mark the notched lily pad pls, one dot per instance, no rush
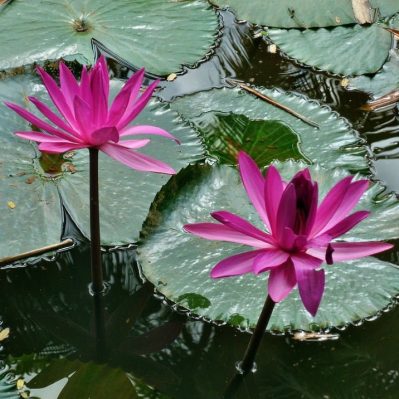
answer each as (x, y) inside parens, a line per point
(160, 35)
(227, 117)
(355, 290)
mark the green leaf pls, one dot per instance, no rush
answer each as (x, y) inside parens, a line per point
(220, 114)
(303, 14)
(29, 202)
(352, 50)
(385, 81)
(30, 199)
(179, 263)
(157, 34)
(225, 134)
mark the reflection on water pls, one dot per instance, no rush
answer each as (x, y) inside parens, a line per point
(153, 352)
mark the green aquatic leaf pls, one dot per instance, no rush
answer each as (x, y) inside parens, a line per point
(224, 135)
(344, 50)
(31, 200)
(160, 35)
(179, 263)
(8, 385)
(219, 113)
(385, 81)
(303, 14)
(30, 205)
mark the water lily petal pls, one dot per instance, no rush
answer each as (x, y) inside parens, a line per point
(135, 160)
(53, 117)
(126, 97)
(101, 136)
(330, 204)
(235, 265)
(100, 108)
(243, 226)
(83, 116)
(68, 83)
(282, 280)
(354, 250)
(57, 97)
(286, 212)
(254, 183)
(147, 129)
(274, 188)
(105, 76)
(60, 147)
(134, 144)
(85, 92)
(349, 201)
(269, 259)
(311, 286)
(346, 224)
(41, 137)
(216, 231)
(136, 107)
(31, 118)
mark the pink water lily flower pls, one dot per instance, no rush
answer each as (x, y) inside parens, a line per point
(300, 233)
(87, 120)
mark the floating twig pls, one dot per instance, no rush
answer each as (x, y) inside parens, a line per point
(262, 96)
(54, 247)
(381, 102)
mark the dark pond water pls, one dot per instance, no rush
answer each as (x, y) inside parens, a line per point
(166, 354)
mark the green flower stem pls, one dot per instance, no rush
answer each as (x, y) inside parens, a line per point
(249, 358)
(97, 283)
(96, 267)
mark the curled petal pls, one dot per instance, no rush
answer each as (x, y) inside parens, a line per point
(282, 280)
(254, 184)
(269, 259)
(147, 129)
(286, 212)
(235, 265)
(135, 160)
(216, 231)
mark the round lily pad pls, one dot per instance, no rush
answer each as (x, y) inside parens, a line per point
(179, 263)
(344, 50)
(160, 35)
(31, 199)
(384, 82)
(232, 119)
(309, 13)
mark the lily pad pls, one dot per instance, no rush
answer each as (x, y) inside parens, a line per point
(344, 50)
(30, 205)
(307, 13)
(384, 82)
(179, 263)
(217, 113)
(125, 194)
(160, 35)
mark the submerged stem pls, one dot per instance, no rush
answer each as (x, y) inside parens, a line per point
(249, 358)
